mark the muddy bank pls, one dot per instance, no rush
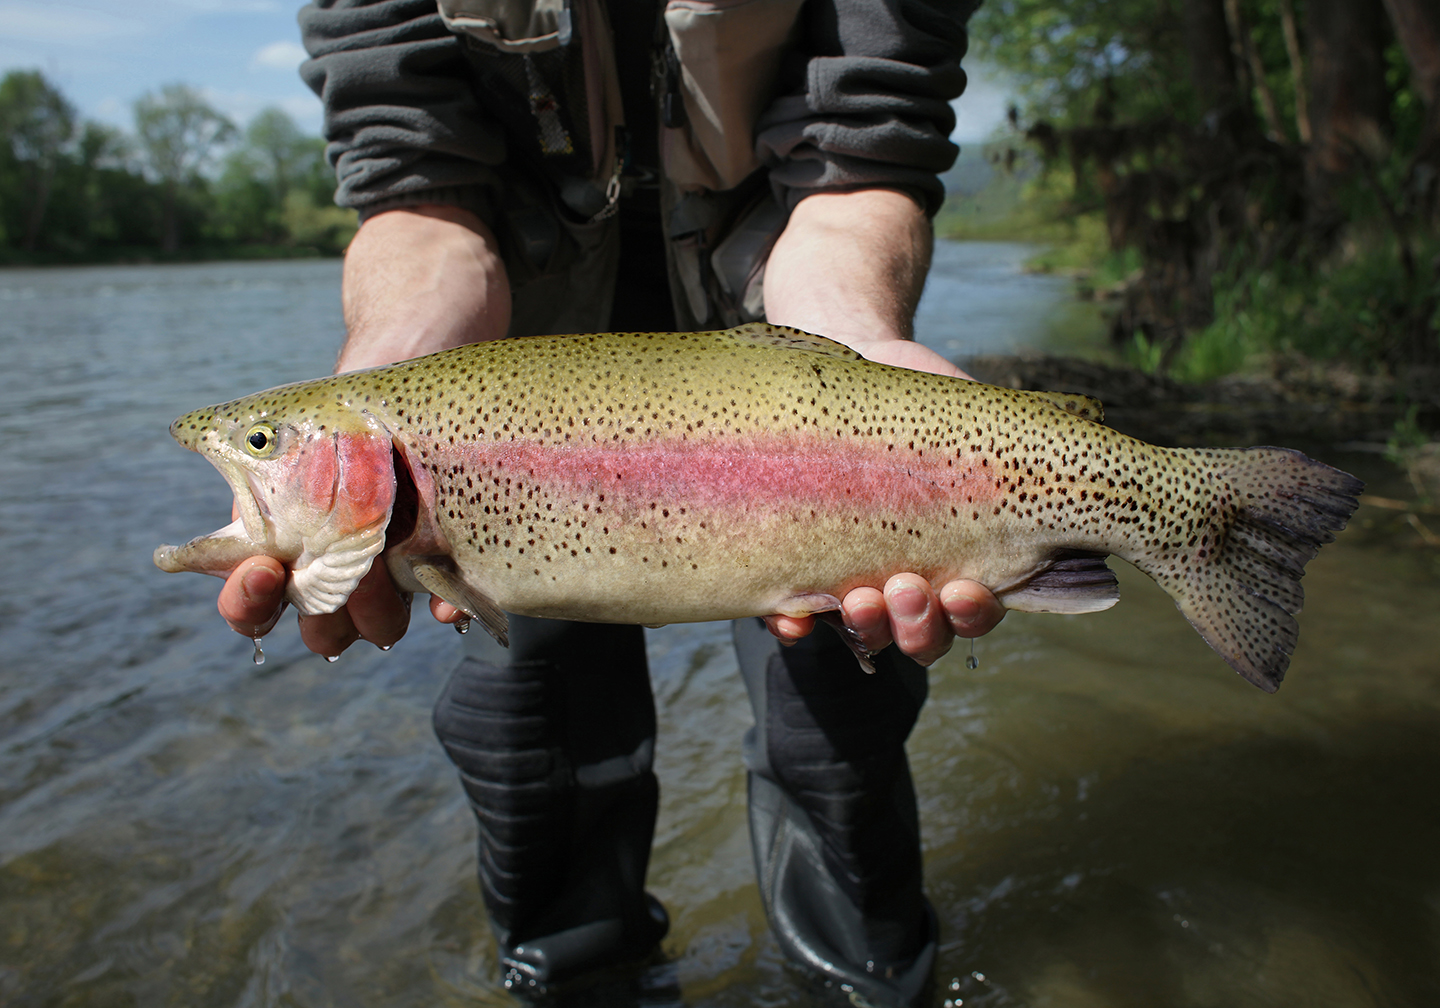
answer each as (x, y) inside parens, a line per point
(1297, 403)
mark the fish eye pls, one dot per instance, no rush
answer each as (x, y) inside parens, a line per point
(260, 440)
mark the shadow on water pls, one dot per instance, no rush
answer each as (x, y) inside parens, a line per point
(1112, 819)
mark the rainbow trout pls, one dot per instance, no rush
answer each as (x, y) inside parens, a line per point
(675, 477)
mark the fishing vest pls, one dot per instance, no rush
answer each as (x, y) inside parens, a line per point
(549, 67)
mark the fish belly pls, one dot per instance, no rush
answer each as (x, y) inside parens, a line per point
(687, 531)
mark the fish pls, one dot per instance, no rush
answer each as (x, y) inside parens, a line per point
(655, 478)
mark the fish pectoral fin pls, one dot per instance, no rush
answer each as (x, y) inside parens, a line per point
(765, 334)
(1075, 581)
(440, 578)
(322, 583)
(1083, 406)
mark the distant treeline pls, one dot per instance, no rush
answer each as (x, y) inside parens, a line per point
(187, 183)
(1265, 173)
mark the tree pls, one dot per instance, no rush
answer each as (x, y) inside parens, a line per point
(1176, 122)
(178, 131)
(37, 123)
(281, 148)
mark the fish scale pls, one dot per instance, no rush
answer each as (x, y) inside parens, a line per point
(671, 477)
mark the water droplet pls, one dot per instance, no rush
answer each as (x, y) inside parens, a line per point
(332, 658)
(955, 984)
(972, 662)
(979, 977)
(386, 647)
(259, 656)
(462, 625)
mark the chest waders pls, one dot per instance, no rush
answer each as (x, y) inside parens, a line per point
(554, 739)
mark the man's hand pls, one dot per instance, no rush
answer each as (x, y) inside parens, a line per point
(417, 281)
(851, 266)
(254, 597)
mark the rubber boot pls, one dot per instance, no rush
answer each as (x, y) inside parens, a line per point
(554, 749)
(833, 821)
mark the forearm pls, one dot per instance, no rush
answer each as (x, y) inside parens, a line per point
(851, 266)
(418, 280)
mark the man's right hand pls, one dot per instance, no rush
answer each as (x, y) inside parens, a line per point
(417, 280)
(254, 597)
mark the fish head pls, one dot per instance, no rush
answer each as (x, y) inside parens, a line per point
(314, 485)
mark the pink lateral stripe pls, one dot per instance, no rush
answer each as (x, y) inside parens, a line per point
(739, 474)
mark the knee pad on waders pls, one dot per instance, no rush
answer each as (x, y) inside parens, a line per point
(554, 743)
(833, 821)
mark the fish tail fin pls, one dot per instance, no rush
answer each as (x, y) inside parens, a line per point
(1242, 587)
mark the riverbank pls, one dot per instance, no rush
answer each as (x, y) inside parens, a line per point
(145, 255)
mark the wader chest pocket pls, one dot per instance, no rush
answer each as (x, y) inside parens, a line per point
(729, 53)
(510, 26)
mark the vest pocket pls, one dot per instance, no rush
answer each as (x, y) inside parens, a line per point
(729, 54)
(510, 26)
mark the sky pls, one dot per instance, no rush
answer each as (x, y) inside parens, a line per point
(242, 54)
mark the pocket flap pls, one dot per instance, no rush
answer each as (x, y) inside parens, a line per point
(511, 26)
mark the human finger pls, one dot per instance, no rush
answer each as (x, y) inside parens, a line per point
(378, 611)
(917, 620)
(866, 614)
(253, 596)
(444, 611)
(328, 634)
(789, 629)
(971, 608)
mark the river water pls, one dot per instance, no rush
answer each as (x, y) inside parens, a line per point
(1112, 819)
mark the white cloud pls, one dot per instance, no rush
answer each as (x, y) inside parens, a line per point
(241, 106)
(37, 23)
(283, 55)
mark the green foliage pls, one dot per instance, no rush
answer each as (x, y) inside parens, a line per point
(178, 131)
(1189, 194)
(1067, 57)
(1355, 308)
(186, 184)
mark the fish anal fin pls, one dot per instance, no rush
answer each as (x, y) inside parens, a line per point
(1074, 581)
(765, 334)
(439, 576)
(1083, 406)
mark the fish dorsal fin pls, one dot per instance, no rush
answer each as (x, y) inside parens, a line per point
(765, 334)
(1084, 406)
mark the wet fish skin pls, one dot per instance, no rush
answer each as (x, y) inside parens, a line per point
(673, 477)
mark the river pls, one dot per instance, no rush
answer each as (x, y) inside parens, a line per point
(1112, 818)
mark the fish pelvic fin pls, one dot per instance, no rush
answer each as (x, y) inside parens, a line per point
(1242, 595)
(441, 578)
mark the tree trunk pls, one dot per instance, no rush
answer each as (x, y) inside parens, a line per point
(1212, 65)
(1243, 51)
(43, 175)
(1349, 102)
(1297, 71)
(169, 222)
(1417, 26)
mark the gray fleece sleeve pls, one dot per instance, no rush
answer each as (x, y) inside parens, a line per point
(870, 106)
(401, 117)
